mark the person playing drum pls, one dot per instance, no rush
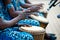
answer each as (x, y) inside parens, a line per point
(7, 30)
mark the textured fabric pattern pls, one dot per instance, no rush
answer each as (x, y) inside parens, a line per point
(22, 2)
(9, 6)
(16, 4)
(10, 34)
(1, 9)
(30, 22)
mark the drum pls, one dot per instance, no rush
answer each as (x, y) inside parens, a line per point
(39, 18)
(37, 32)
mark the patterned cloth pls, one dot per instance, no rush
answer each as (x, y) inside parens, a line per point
(1, 10)
(12, 33)
(9, 34)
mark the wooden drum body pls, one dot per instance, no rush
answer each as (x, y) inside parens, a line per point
(37, 32)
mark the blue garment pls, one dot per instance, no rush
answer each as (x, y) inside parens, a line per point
(22, 2)
(12, 33)
(16, 4)
(1, 9)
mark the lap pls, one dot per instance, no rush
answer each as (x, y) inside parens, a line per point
(39, 13)
(15, 35)
(31, 22)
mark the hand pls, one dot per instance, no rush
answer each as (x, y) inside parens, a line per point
(41, 4)
(22, 15)
(34, 8)
(36, 14)
(26, 11)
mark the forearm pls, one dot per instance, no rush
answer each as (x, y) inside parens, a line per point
(11, 9)
(26, 5)
(5, 24)
(14, 13)
(14, 21)
(27, 1)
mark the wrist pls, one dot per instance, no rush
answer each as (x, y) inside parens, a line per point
(26, 11)
(20, 17)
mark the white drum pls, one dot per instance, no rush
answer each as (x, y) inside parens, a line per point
(39, 18)
(37, 32)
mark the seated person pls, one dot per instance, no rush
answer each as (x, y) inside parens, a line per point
(26, 4)
(8, 31)
(13, 11)
(32, 10)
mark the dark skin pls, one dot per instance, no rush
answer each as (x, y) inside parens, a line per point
(18, 15)
(32, 7)
(27, 1)
(28, 4)
(14, 13)
(5, 24)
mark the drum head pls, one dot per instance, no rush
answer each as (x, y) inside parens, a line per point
(33, 29)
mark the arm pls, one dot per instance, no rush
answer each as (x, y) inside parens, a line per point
(27, 1)
(27, 4)
(5, 24)
(14, 13)
(11, 9)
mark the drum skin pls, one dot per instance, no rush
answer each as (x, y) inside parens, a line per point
(37, 32)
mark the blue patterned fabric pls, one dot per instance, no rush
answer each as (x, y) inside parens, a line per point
(16, 4)
(22, 2)
(11, 33)
(1, 9)
(6, 13)
(9, 6)
(30, 22)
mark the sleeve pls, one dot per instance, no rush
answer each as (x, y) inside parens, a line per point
(1, 15)
(10, 5)
(22, 2)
